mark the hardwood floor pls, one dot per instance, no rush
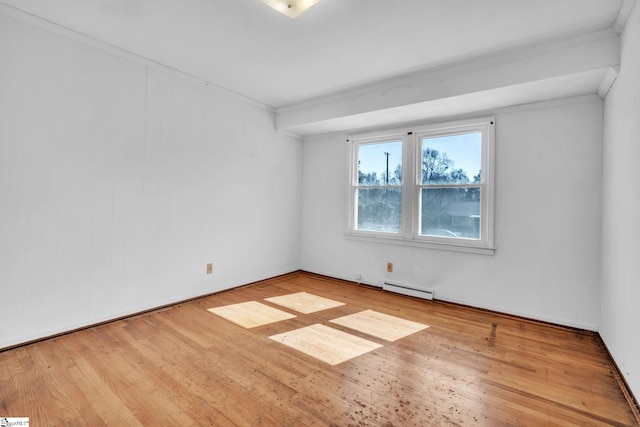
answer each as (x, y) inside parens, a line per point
(184, 365)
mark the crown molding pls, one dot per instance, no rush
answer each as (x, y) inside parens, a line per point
(607, 81)
(77, 36)
(623, 15)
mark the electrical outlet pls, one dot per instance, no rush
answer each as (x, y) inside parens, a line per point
(389, 267)
(209, 268)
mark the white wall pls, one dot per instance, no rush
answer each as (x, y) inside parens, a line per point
(118, 183)
(547, 221)
(621, 210)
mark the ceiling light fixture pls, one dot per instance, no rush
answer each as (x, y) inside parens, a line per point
(291, 8)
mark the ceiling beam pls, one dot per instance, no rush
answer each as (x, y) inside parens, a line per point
(553, 62)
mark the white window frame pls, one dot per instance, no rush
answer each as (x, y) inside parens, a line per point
(412, 184)
(354, 186)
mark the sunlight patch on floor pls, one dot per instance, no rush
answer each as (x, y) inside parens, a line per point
(380, 325)
(251, 314)
(304, 302)
(326, 344)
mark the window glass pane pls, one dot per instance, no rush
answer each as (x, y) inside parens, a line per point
(380, 163)
(379, 209)
(451, 159)
(451, 212)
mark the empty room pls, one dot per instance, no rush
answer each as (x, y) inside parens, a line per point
(319, 212)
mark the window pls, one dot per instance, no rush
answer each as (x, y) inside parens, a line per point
(378, 188)
(429, 186)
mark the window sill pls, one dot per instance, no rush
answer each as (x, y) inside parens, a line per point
(399, 241)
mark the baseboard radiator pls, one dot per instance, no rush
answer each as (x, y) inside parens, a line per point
(406, 290)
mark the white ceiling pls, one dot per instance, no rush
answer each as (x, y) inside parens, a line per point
(248, 48)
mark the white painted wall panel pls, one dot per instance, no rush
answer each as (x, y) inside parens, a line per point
(621, 208)
(119, 183)
(547, 221)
